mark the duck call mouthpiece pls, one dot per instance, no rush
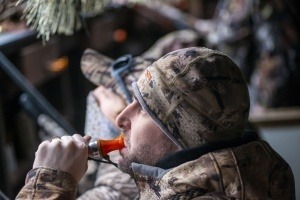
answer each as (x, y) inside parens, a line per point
(100, 148)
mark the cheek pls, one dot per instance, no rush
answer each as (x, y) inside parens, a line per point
(137, 137)
(143, 133)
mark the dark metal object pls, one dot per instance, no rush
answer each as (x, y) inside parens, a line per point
(9, 42)
(50, 126)
(3, 196)
(38, 99)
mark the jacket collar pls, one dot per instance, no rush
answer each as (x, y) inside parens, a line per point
(186, 155)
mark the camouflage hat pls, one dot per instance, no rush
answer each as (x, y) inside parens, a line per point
(117, 74)
(196, 95)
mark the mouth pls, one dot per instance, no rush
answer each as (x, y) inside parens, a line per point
(123, 151)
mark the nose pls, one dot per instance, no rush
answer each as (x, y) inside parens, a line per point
(122, 120)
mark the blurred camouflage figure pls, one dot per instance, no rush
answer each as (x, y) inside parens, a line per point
(262, 37)
(275, 78)
(106, 181)
(198, 102)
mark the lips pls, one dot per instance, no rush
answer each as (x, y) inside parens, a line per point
(123, 151)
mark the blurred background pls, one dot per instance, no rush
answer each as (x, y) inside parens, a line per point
(43, 92)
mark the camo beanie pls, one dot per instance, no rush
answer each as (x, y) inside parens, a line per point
(196, 96)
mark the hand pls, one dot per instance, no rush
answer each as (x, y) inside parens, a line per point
(68, 154)
(111, 104)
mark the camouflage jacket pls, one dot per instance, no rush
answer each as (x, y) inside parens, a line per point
(250, 171)
(46, 183)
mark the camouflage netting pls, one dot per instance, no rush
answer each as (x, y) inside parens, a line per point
(49, 17)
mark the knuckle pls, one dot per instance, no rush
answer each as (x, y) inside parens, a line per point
(43, 144)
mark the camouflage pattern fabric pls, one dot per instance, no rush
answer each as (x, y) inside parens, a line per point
(251, 171)
(196, 95)
(275, 78)
(47, 183)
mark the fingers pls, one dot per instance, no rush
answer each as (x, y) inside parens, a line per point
(54, 137)
(79, 138)
(67, 154)
(66, 139)
(71, 142)
(59, 142)
(75, 137)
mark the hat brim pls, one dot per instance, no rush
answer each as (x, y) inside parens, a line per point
(96, 67)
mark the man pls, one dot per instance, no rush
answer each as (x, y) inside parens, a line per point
(106, 101)
(185, 138)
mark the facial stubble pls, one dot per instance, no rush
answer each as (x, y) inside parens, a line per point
(144, 154)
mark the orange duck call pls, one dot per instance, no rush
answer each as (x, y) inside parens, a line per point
(100, 148)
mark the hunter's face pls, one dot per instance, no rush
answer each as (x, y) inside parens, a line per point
(145, 141)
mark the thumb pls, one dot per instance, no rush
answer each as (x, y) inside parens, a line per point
(87, 138)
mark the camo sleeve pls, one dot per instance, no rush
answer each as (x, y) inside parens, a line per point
(47, 183)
